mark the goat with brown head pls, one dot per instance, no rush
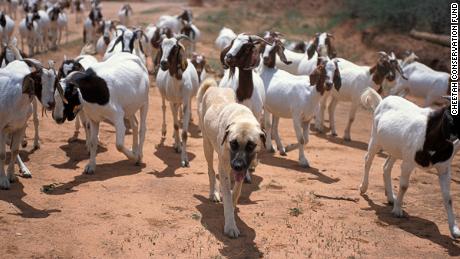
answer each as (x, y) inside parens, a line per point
(322, 44)
(173, 57)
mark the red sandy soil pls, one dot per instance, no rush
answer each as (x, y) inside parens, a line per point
(160, 210)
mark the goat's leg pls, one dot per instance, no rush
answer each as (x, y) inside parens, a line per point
(163, 125)
(268, 132)
(275, 132)
(120, 139)
(306, 130)
(303, 162)
(94, 129)
(319, 118)
(387, 167)
(77, 129)
(4, 182)
(444, 181)
(371, 151)
(142, 131)
(185, 124)
(14, 148)
(25, 172)
(135, 127)
(351, 118)
(177, 144)
(406, 170)
(36, 124)
(209, 156)
(331, 110)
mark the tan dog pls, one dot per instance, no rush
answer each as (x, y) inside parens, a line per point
(234, 133)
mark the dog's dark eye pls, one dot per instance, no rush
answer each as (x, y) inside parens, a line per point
(250, 146)
(234, 144)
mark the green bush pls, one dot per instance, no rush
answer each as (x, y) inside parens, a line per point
(402, 15)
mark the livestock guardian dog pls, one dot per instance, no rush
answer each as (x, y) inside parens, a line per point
(234, 133)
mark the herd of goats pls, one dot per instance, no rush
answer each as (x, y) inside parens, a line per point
(263, 81)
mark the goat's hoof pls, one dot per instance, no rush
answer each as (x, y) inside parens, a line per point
(12, 177)
(347, 138)
(26, 174)
(36, 146)
(304, 164)
(89, 169)
(177, 148)
(363, 189)
(215, 197)
(4, 183)
(455, 232)
(24, 143)
(398, 212)
(271, 150)
(333, 134)
(283, 152)
(185, 163)
(391, 200)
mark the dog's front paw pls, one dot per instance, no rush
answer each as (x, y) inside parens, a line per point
(89, 169)
(231, 230)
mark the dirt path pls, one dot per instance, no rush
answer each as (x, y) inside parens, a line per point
(159, 210)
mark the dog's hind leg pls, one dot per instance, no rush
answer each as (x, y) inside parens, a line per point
(209, 155)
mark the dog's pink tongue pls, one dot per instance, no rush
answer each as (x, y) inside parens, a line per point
(239, 175)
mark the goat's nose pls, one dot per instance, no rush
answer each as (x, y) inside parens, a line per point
(163, 63)
(329, 85)
(51, 105)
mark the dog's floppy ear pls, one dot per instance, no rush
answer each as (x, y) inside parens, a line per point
(263, 137)
(227, 130)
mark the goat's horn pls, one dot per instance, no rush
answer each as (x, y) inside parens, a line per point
(383, 53)
(33, 63)
(258, 39)
(181, 37)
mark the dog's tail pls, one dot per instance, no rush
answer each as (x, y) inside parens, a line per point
(370, 99)
(207, 83)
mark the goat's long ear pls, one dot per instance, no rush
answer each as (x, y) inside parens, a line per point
(182, 58)
(281, 54)
(312, 48)
(331, 50)
(337, 77)
(118, 40)
(314, 77)
(227, 131)
(223, 53)
(28, 85)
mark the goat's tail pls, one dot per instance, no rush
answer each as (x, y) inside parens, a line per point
(207, 83)
(370, 99)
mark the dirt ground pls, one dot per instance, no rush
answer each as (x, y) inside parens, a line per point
(160, 210)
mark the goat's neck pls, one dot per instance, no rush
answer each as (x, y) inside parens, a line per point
(245, 85)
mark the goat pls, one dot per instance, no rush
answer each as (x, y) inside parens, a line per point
(154, 37)
(6, 28)
(80, 63)
(358, 83)
(124, 14)
(12, 8)
(10, 53)
(296, 97)
(420, 137)
(107, 27)
(240, 59)
(305, 63)
(53, 15)
(421, 81)
(91, 24)
(199, 62)
(107, 91)
(128, 41)
(18, 87)
(193, 33)
(175, 23)
(63, 25)
(78, 8)
(225, 38)
(177, 81)
(43, 22)
(298, 46)
(28, 29)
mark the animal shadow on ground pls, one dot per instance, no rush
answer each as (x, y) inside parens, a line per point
(419, 227)
(172, 160)
(212, 218)
(340, 141)
(194, 130)
(14, 196)
(283, 162)
(103, 172)
(249, 188)
(76, 152)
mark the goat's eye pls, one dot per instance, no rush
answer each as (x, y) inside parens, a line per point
(234, 144)
(250, 146)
